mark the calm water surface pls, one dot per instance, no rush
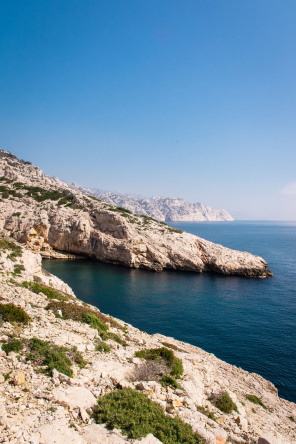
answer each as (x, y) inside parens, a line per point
(246, 322)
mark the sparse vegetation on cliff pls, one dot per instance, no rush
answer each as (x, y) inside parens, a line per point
(13, 313)
(137, 416)
(49, 292)
(224, 403)
(173, 363)
(255, 400)
(16, 250)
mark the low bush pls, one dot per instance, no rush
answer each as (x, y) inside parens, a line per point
(137, 416)
(83, 314)
(94, 198)
(13, 345)
(206, 412)
(224, 403)
(16, 250)
(172, 346)
(255, 400)
(173, 363)
(121, 210)
(18, 268)
(102, 347)
(40, 194)
(169, 381)
(92, 320)
(105, 335)
(45, 353)
(13, 313)
(76, 357)
(78, 313)
(49, 292)
(149, 371)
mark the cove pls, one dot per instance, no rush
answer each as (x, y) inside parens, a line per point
(246, 322)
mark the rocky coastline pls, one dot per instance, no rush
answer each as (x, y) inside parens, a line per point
(55, 401)
(49, 217)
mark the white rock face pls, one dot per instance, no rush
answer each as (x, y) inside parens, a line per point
(50, 217)
(166, 209)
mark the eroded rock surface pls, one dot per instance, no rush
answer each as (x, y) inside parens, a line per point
(50, 217)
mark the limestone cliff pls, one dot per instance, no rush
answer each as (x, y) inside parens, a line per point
(49, 216)
(166, 209)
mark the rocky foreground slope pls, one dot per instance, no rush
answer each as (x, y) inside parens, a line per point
(49, 216)
(62, 362)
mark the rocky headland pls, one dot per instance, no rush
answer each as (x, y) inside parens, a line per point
(49, 217)
(70, 374)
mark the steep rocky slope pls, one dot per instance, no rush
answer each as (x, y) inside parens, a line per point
(49, 216)
(67, 356)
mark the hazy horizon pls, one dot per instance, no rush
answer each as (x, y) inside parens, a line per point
(194, 99)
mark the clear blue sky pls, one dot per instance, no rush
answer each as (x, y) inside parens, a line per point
(193, 99)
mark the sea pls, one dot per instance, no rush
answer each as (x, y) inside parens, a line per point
(250, 323)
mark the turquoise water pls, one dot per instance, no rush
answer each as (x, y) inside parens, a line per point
(246, 322)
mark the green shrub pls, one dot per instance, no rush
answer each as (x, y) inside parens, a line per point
(137, 416)
(18, 268)
(78, 312)
(167, 380)
(64, 200)
(77, 357)
(177, 368)
(158, 354)
(92, 320)
(16, 250)
(255, 400)
(105, 335)
(18, 185)
(224, 403)
(206, 412)
(45, 353)
(172, 346)
(291, 418)
(40, 194)
(102, 347)
(13, 313)
(121, 210)
(94, 198)
(83, 314)
(13, 345)
(49, 292)
(5, 179)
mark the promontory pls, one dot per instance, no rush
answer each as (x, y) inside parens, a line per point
(50, 217)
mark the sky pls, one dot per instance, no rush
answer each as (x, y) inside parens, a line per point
(193, 99)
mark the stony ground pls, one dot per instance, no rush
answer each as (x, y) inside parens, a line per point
(38, 408)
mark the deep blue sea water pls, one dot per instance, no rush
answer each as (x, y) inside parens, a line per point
(247, 322)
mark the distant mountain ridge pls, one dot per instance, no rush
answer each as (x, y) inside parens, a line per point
(164, 209)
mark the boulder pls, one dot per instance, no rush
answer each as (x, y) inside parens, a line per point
(74, 397)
